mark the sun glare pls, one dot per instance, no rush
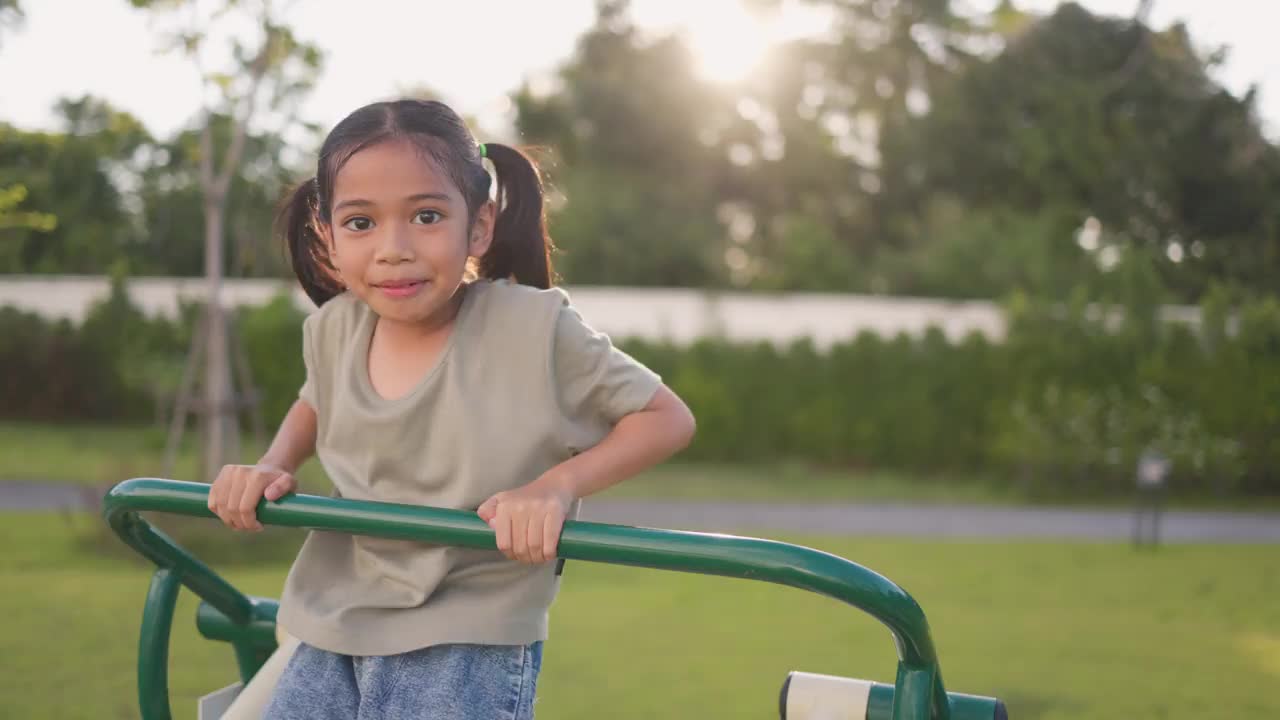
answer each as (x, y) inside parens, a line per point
(727, 41)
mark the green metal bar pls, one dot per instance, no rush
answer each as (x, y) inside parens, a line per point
(253, 641)
(153, 645)
(725, 555)
(259, 632)
(164, 552)
(913, 693)
(962, 706)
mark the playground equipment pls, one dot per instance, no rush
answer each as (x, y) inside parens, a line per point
(248, 623)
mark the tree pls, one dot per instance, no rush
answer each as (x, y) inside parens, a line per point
(83, 226)
(635, 181)
(172, 204)
(12, 216)
(128, 199)
(1103, 118)
(270, 73)
(880, 66)
(11, 197)
(670, 179)
(769, 182)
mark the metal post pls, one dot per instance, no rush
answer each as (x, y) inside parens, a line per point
(153, 645)
(1151, 475)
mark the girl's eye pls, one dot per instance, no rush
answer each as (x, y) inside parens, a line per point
(427, 217)
(358, 224)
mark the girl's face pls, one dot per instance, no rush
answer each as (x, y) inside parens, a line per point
(398, 234)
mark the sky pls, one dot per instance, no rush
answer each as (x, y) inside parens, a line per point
(473, 53)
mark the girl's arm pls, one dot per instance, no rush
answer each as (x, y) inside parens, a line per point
(637, 442)
(528, 520)
(235, 493)
(295, 441)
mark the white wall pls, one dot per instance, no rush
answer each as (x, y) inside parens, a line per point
(680, 315)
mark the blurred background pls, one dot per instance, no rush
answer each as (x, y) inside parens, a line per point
(957, 290)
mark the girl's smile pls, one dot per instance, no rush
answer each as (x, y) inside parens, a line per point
(401, 288)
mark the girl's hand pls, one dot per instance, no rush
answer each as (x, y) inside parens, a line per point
(528, 520)
(235, 493)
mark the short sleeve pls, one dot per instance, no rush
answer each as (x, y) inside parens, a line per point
(308, 391)
(596, 383)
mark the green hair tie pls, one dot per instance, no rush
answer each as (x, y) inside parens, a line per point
(482, 150)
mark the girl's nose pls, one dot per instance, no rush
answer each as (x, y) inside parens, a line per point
(395, 246)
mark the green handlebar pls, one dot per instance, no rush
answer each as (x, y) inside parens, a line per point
(709, 554)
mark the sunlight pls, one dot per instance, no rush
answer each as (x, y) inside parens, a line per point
(729, 42)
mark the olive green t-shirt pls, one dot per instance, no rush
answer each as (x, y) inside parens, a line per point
(522, 384)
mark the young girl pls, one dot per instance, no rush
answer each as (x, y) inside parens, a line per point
(442, 370)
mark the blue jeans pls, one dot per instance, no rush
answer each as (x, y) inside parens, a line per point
(443, 682)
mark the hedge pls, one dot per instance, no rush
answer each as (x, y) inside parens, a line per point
(1065, 402)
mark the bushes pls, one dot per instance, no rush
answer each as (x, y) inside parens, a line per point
(112, 367)
(51, 371)
(272, 339)
(1063, 401)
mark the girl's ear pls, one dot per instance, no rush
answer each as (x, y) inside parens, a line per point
(482, 231)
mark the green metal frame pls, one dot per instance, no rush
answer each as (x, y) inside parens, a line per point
(248, 623)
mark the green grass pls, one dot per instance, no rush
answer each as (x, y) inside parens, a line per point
(1061, 631)
(102, 456)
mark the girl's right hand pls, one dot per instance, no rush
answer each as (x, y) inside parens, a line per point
(235, 493)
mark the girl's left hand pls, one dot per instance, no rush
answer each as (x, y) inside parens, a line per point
(528, 520)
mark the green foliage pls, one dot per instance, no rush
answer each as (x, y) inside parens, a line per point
(1071, 398)
(1102, 118)
(656, 164)
(806, 254)
(112, 367)
(74, 218)
(901, 154)
(172, 205)
(11, 216)
(598, 241)
(956, 251)
(912, 149)
(1090, 164)
(63, 177)
(920, 404)
(121, 195)
(51, 372)
(271, 337)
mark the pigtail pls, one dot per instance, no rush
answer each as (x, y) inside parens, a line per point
(521, 248)
(296, 223)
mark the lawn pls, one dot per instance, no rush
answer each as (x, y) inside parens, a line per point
(104, 455)
(1061, 631)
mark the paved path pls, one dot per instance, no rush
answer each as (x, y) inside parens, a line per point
(945, 521)
(32, 496)
(870, 519)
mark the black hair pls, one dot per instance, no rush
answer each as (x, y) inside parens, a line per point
(521, 248)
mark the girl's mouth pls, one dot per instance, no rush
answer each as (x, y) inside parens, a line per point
(401, 288)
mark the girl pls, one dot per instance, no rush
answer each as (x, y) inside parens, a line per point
(442, 370)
